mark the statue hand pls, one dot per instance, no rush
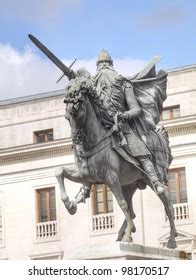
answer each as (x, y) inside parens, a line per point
(123, 116)
(86, 85)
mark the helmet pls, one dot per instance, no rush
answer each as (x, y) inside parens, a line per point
(104, 56)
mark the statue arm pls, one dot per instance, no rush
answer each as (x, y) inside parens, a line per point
(134, 109)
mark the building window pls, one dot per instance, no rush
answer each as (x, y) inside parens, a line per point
(169, 113)
(102, 199)
(46, 205)
(177, 186)
(103, 221)
(43, 136)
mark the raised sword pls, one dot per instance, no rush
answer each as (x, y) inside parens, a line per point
(66, 70)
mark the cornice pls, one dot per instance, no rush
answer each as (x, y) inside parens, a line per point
(180, 126)
(181, 129)
(35, 154)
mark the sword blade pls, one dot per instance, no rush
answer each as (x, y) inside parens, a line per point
(50, 55)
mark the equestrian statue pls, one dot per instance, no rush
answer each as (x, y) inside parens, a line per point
(115, 136)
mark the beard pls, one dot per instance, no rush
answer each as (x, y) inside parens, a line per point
(105, 80)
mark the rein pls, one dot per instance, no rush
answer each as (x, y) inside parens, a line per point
(109, 132)
(97, 147)
(107, 135)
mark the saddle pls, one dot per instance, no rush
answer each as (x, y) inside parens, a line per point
(158, 145)
(120, 146)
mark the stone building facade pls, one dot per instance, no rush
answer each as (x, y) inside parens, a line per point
(35, 139)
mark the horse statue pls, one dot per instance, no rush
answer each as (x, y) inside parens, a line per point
(99, 155)
(99, 158)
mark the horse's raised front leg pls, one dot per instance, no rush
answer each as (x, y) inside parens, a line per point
(114, 185)
(72, 174)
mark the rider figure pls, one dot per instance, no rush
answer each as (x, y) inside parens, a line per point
(118, 96)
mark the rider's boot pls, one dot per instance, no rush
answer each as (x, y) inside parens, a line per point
(152, 176)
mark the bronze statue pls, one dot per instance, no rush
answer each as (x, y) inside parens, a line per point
(113, 126)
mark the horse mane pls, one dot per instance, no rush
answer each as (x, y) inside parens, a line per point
(84, 85)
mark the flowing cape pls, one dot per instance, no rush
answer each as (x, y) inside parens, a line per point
(150, 92)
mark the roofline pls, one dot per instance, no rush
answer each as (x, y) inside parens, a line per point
(49, 94)
(32, 97)
(181, 68)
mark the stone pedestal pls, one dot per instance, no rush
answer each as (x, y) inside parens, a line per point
(125, 251)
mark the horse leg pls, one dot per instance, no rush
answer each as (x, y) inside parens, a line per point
(170, 214)
(128, 192)
(114, 185)
(164, 197)
(122, 231)
(72, 174)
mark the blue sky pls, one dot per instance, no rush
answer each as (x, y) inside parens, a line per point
(132, 31)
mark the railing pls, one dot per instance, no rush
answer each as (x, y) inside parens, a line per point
(46, 231)
(103, 223)
(181, 212)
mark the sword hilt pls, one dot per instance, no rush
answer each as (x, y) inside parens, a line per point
(64, 73)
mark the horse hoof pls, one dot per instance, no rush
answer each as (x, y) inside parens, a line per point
(72, 208)
(127, 239)
(171, 244)
(133, 229)
(120, 235)
(133, 215)
(119, 238)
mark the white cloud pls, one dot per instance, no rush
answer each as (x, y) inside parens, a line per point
(26, 73)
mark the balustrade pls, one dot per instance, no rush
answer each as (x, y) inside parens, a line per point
(103, 222)
(181, 212)
(47, 230)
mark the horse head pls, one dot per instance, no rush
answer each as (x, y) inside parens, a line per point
(76, 93)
